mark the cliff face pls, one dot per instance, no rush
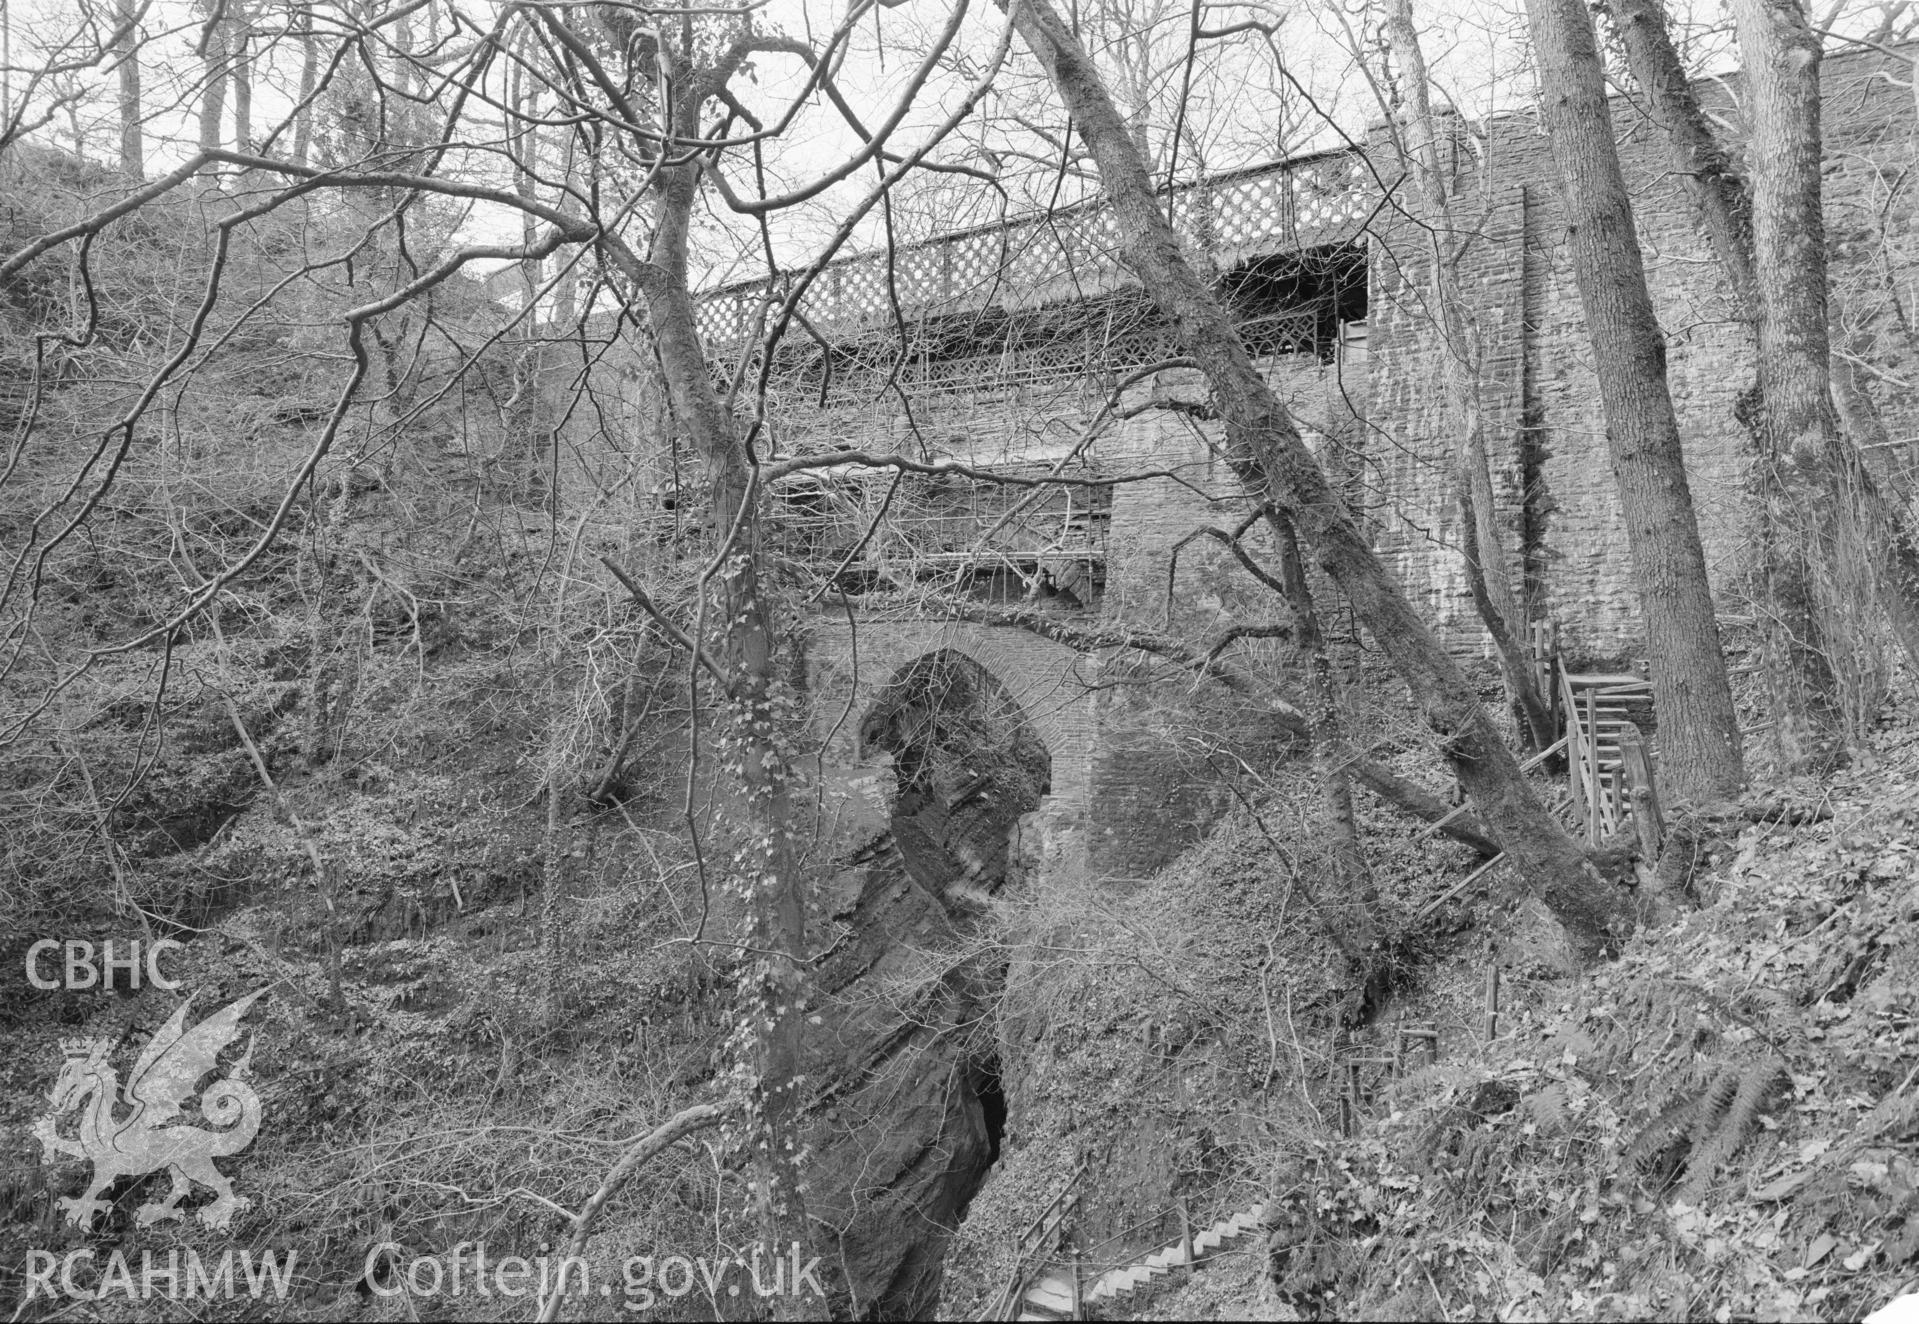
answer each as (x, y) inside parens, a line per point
(904, 1060)
(899, 1128)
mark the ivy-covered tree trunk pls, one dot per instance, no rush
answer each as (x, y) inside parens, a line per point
(1804, 491)
(1701, 757)
(760, 707)
(1271, 458)
(1699, 160)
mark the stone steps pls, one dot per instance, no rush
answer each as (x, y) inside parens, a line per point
(1130, 1278)
(1049, 1298)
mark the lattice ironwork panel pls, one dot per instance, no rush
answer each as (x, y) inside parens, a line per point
(976, 261)
(1245, 210)
(1296, 205)
(1327, 196)
(722, 317)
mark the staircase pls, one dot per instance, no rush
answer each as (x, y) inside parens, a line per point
(1059, 1292)
(1036, 1244)
(1604, 715)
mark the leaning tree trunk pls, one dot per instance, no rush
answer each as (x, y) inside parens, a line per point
(1272, 459)
(1484, 550)
(1701, 756)
(1804, 487)
(759, 706)
(1698, 158)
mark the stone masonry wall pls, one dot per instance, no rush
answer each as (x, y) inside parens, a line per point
(1536, 359)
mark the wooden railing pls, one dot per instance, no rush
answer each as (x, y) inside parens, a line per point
(1070, 252)
(1033, 1246)
(1607, 759)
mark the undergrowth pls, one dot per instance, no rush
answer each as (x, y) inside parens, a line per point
(1717, 1125)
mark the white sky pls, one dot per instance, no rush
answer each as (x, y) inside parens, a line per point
(1242, 109)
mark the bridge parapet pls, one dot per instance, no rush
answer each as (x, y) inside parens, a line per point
(1068, 253)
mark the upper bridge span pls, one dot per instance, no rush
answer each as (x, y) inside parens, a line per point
(1001, 345)
(1066, 254)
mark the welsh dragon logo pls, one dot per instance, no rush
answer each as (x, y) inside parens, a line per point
(155, 1135)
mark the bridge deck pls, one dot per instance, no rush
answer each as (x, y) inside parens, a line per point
(1068, 253)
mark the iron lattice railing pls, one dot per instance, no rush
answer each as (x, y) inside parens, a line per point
(1069, 253)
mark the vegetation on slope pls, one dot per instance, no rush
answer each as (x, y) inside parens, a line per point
(1719, 1124)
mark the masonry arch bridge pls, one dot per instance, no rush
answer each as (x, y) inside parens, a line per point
(850, 666)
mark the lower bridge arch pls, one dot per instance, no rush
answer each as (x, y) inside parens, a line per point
(851, 664)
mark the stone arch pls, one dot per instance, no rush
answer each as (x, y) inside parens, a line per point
(968, 767)
(944, 680)
(849, 666)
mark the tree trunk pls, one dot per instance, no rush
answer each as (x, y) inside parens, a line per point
(1484, 550)
(1272, 459)
(132, 144)
(213, 96)
(555, 854)
(1803, 485)
(1725, 209)
(1702, 164)
(759, 709)
(242, 77)
(1701, 756)
(1887, 491)
(309, 78)
(1351, 909)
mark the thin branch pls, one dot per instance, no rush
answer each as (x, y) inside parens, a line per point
(686, 1122)
(672, 631)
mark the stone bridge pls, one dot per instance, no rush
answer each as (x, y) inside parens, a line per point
(1017, 337)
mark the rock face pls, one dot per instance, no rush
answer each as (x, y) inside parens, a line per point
(903, 1062)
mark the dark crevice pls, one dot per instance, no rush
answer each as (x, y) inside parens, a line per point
(992, 1099)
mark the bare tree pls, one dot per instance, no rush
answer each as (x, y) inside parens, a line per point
(215, 49)
(309, 76)
(1270, 455)
(1797, 421)
(1830, 475)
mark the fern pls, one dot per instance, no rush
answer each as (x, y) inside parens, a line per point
(1714, 1143)
(1548, 1111)
(1435, 1080)
(1712, 1106)
(1699, 1067)
(1670, 1123)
